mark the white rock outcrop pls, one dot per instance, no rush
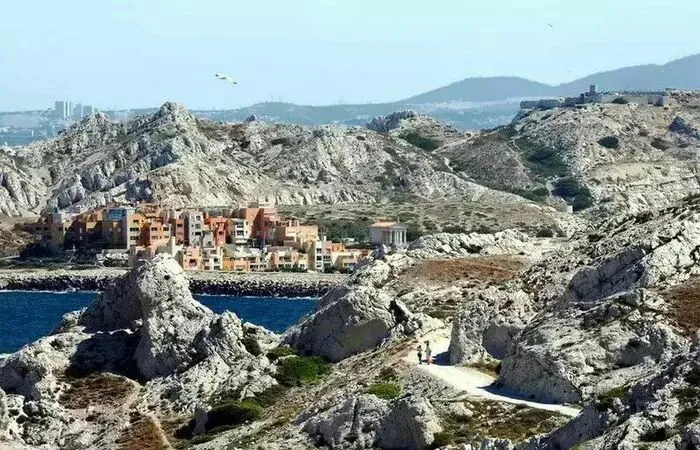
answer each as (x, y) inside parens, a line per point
(411, 425)
(366, 421)
(357, 315)
(610, 324)
(459, 245)
(352, 423)
(147, 326)
(486, 326)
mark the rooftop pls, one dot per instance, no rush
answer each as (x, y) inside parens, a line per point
(387, 225)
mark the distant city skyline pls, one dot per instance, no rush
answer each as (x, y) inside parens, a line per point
(132, 54)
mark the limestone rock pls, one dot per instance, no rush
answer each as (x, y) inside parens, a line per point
(473, 244)
(352, 423)
(410, 425)
(384, 124)
(359, 320)
(171, 317)
(662, 407)
(610, 324)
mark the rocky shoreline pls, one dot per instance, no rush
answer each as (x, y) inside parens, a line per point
(215, 283)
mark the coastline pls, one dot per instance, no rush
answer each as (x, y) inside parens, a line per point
(264, 284)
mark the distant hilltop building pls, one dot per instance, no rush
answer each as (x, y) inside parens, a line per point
(656, 98)
(66, 110)
(63, 109)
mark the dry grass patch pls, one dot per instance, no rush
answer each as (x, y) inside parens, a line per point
(500, 421)
(482, 268)
(100, 389)
(685, 304)
(143, 434)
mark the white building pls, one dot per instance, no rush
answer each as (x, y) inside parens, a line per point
(194, 226)
(388, 233)
(63, 109)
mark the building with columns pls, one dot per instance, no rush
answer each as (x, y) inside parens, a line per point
(388, 233)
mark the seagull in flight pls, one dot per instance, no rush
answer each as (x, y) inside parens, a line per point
(550, 25)
(223, 77)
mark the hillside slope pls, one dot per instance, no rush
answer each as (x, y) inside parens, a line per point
(605, 156)
(177, 159)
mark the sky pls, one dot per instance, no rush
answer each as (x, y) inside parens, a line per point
(141, 53)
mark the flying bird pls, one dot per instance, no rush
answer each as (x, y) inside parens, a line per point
(223, 77)
(550, 25)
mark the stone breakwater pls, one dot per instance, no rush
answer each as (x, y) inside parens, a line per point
(217, 283)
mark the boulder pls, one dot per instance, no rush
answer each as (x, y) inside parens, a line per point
(384, 124)
(360, 319)
(487, 325)
(473, 244)
(662, 408)
(171, 317)
(410, 425)
(684, 126)
(352, 423)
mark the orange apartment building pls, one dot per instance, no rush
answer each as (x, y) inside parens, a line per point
(218, 226)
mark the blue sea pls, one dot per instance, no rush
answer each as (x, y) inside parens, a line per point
(26, 316)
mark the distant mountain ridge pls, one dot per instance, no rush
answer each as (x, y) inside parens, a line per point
(476, 103)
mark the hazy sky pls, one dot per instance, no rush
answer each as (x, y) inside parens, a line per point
(138, 53)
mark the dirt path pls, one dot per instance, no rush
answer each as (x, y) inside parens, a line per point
(472, 381)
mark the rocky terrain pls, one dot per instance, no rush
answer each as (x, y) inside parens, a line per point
(598, 158)
(177, 159)
(580, 334)
(603, 158)
(588, 342)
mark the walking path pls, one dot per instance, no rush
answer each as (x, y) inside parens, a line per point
(474, 383)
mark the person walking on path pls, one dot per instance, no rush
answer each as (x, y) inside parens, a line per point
(427, 352)
(420, 354)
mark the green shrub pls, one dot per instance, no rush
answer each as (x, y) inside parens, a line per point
(693, 377)
(443, 439)
(660, 143)
(252, 345)
(300, 370)
(606, 399)
(280, 141)
(388, 374)
(620, 101)
(545, 232)
(579, 197)
(422, 142)
(658, 435)
(338, 229)
(454, 229)
(233, 413)
(687, 394)
(413, 231)
(687, 416)
(279, 352)
(387, 391)
(269, 396)
(609, 142)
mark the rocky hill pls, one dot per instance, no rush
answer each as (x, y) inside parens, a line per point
(598, 159)
(177, 159)
(603, 157)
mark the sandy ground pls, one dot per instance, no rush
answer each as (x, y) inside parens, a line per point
(474, 383)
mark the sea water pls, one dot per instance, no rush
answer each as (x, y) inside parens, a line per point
(27, 316)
